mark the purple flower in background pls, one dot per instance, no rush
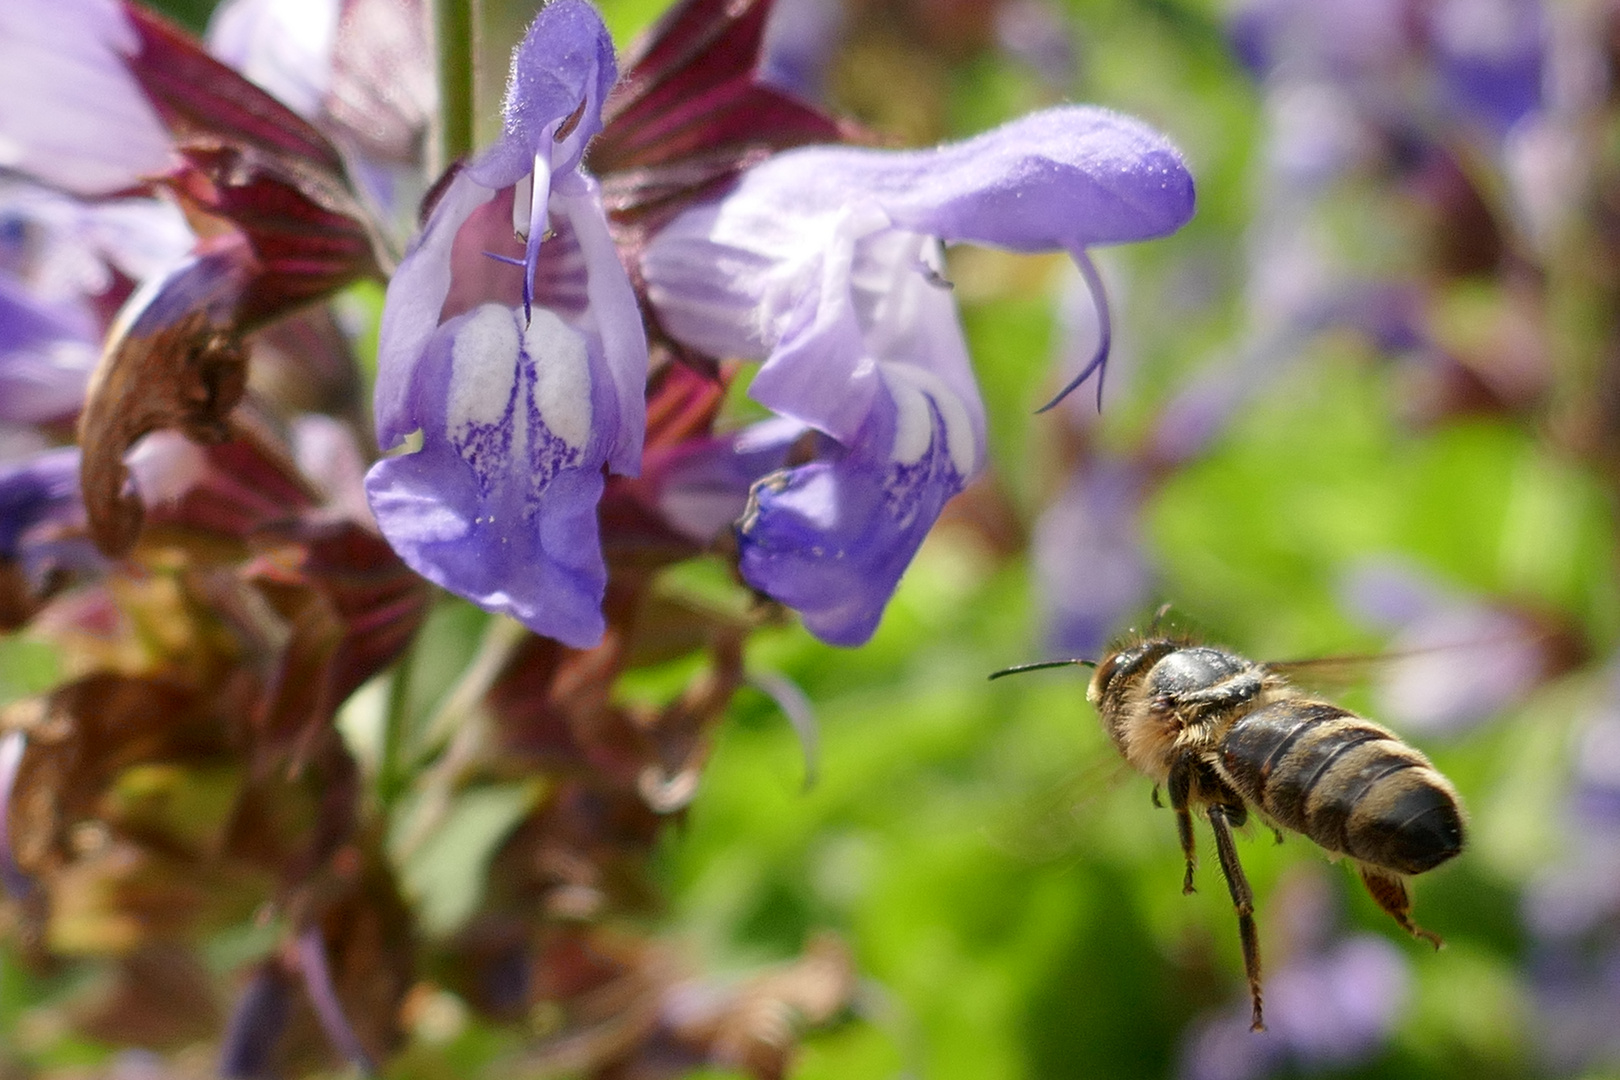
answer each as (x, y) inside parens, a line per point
(42, 541)
(1090, 563)
(360, 70)
(47, 352)
(36, 493)
(1332, 1002)
(1326, 1010)
(1455, 661)
(825, 263)
(1572, 906)
(1490, 56)
(520, 364)
(800, 40)
(65, 263)
(73, 114)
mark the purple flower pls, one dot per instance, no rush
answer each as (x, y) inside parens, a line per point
(35, 494)
(521, 365)
(1490, 56)
(1092, 568)
(359, 70)
(47, 352)
(1455, 661)
(1323, 1011)
(825, 263)
(1332, 1002)
(72, 114)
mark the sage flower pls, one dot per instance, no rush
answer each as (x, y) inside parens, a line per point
(825, 263)
(521, 363)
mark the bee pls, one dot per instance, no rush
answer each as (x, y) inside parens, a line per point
(1224, 736)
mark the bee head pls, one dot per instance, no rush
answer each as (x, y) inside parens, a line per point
(1122, 666)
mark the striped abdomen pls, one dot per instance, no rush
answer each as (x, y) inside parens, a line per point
(1348, 784)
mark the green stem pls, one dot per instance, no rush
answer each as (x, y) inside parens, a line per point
(389, 781)
(455, 30)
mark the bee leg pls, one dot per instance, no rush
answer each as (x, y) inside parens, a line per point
(1277, 833)
(1243, 901)
(1158, 804)
(1180, 785)
(1389, 892)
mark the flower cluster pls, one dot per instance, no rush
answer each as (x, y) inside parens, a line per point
(188, 518)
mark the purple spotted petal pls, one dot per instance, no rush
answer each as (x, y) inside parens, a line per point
(499, 505)
(522, 362)
(831, 539)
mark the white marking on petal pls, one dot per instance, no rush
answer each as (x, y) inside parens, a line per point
(913, 423)
(913, 388)
(483, 367)
(562, 385)
(483, 373)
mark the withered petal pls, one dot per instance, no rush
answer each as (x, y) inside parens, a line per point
(197, 95)
(689, 113)
(173, 360)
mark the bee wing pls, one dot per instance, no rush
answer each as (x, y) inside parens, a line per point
(1044, 826)
(1439, 676)
(1328, 673)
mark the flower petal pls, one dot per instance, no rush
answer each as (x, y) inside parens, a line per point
(831, 539)
(499, 505)
(1063, 178)
(416, 295)
(561, 74)
(71, 114)
(47, 352)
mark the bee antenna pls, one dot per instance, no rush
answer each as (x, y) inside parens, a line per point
(1021, 668)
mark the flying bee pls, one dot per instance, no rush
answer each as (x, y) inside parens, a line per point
(1223, 736)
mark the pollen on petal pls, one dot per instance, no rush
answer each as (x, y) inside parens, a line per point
(562, 384)
(483, 380)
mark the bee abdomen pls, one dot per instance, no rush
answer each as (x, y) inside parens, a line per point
(1348, 784)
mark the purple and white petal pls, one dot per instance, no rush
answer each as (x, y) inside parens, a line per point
(37, 491)
(512, 343)
(825, 263)
(499, 504)
(831, 539)
(47, 351)
(71, 114)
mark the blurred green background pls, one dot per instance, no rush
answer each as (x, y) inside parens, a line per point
(1009, 892)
